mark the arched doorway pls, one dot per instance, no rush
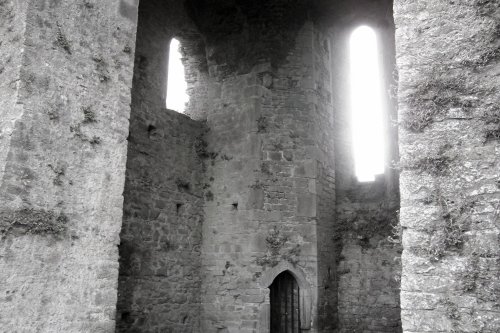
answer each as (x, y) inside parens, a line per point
(285, 304)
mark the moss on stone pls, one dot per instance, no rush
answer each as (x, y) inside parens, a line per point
(396, 236)
(61, 40)
(59, 171)
(486, 7)
(275, 240)
(450, 234)
(436, 164)
(433, 97)
(363, 224)
(209, 196)
(32, 221)
(101, 68)
(492, 134)
(182, 185)
(279, 248)
(490, 55)
(95, 140)
(201, 149)
(262, 124)
(88, 115)
(77, 132)
(451, 309)
(491, 118)
(265, 168)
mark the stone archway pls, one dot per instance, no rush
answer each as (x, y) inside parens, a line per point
(285, 304)
(306, 295)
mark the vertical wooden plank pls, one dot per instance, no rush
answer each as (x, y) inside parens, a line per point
(297, 308)
(292, 306)
(299, 324)
(289, 292)
(284, 307)
(274, 308)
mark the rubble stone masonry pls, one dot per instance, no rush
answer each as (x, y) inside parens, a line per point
(448, 60)
(117, 214)
(66, 73)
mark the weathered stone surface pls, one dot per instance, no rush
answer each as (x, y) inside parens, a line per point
(256, 179)
(261, 126)
(159, 285)
(448, 100)
(12, 28)
(64, 103)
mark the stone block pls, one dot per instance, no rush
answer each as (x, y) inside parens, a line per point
(256, 199)
(306, 205)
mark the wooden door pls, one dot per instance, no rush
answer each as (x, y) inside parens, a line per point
(285, 315)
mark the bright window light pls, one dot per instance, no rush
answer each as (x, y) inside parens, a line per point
(177, 96)
(366, 105)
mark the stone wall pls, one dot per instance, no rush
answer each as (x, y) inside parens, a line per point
(63, 173)
(159, 22)
(269, 187)
(12, 28)
(159, 283)
(262, 206)
(369, 266)
(320, 104)
(230, 296)
(448, 60)
(213, 212)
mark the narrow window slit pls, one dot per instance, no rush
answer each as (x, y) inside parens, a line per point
(177, 96)
(366, 104)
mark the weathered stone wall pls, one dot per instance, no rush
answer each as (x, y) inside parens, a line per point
(262, 204)
(269, 187)
(231, 296)
(262, 175)
(159, 284)
(198, 79)
(12, 30)
(369, 264)
(320, 104)
(159, 22)
(63, 174)
(448, 60)
(298, 166)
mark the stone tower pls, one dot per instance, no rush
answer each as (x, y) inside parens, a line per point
(119, 215)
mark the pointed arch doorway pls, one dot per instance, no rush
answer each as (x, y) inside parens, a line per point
(285, 304)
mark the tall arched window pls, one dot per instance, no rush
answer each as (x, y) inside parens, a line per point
(177, 96)
(366, 104)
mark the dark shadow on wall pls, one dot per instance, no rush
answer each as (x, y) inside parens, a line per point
(254, 32)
